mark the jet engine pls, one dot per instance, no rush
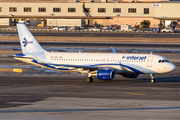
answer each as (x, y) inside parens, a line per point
(106, 74)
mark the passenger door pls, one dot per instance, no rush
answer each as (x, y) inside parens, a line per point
(149, 61)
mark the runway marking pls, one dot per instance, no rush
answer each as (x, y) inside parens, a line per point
(135, 94)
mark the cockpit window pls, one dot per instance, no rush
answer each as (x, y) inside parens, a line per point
(162, 61)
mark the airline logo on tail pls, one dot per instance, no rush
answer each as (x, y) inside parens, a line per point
(25, 42)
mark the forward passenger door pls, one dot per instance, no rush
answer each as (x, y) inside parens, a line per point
(149, 61)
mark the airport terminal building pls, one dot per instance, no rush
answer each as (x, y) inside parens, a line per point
(106, 12)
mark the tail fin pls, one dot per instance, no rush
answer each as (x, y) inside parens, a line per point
(28, 42)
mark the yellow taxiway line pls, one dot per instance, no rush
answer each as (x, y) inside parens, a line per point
(135, 93)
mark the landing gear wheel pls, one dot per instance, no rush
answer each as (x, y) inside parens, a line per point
(153, 81)
(89, 79)
(152, 78)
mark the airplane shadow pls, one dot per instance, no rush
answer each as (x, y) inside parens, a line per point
(161, 79)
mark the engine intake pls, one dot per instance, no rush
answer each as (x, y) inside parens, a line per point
(106, 74)
(130, 75)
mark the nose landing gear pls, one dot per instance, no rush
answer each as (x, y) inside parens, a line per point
(152, 78)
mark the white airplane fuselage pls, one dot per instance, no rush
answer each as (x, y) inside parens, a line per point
(104, 66)
(121, 63)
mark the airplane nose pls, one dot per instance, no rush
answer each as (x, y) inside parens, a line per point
(172, 67)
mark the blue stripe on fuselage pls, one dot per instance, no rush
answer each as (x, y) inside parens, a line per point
(131, 68)
(49, 66)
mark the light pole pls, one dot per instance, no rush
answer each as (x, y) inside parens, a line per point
(118, 18)
(52, 19)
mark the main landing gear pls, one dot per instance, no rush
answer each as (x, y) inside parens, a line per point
(89, 79)
(152, 78)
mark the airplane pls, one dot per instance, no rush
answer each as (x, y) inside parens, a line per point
(104, 66)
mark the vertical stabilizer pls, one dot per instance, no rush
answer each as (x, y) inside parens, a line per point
(28, 42)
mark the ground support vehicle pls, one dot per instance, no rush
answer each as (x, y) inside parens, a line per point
(95, 30)
(127, 28)
(59, 29)
(42, 24)
(170, 30)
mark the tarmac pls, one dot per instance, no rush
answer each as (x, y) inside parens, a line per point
(40, 94)
(68, 96)
(96, 37)
(43, 95)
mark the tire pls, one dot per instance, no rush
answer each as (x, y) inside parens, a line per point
(153, 81)
(89, 79)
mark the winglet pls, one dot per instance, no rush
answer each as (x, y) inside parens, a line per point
(114, 51)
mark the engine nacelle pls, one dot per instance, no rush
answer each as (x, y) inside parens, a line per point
(106, 74)
(130, 75)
